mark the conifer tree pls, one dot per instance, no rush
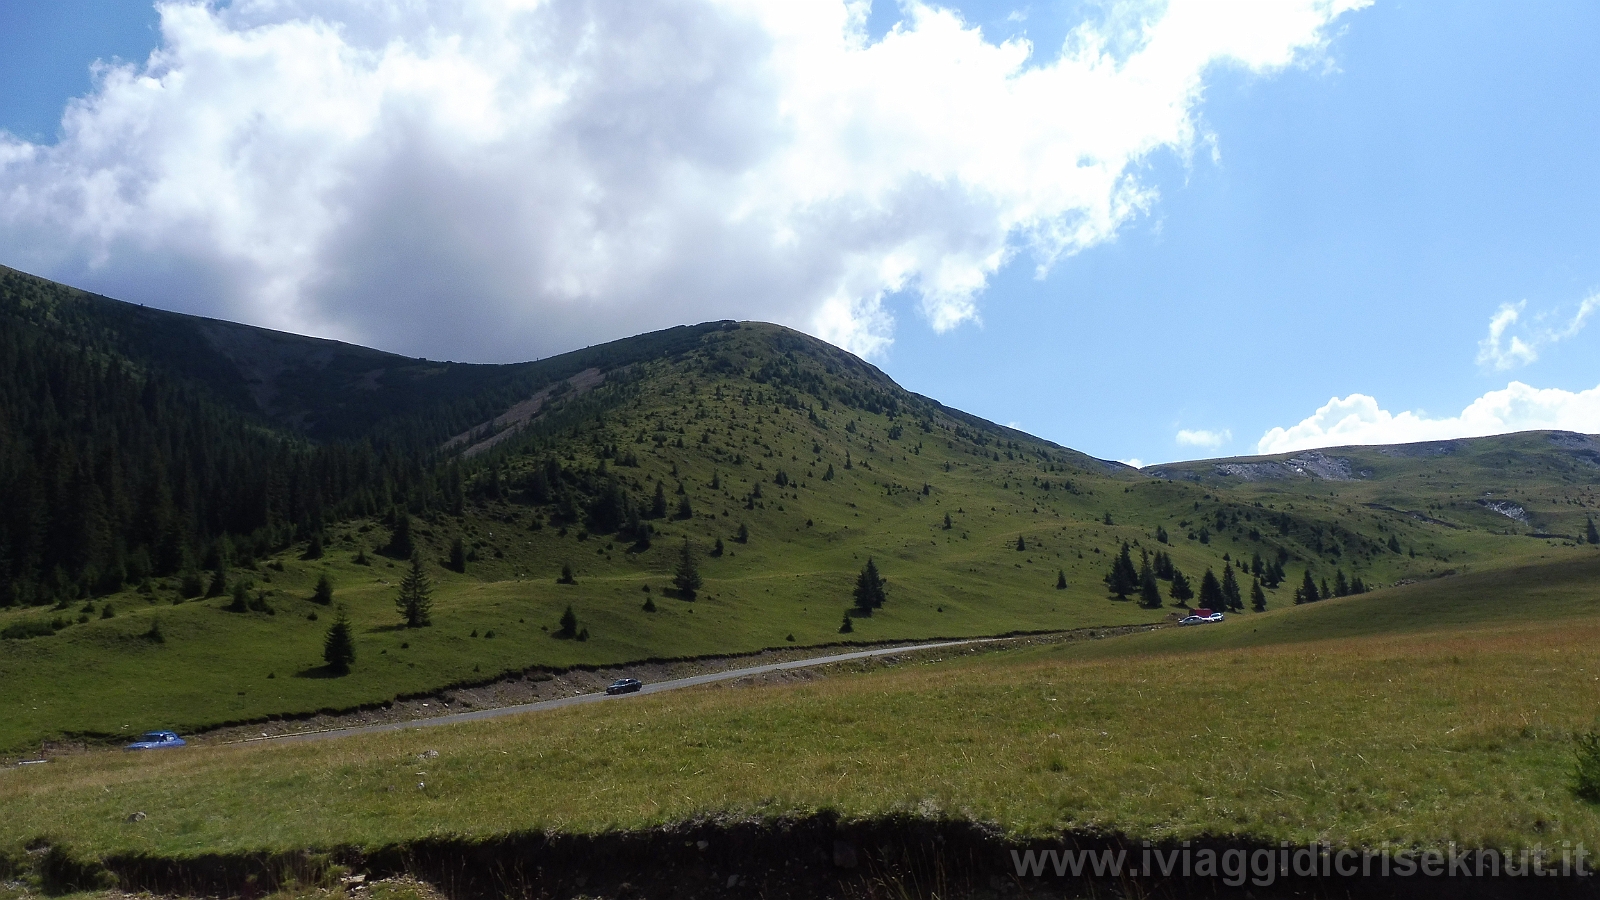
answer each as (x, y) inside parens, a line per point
(1211, 592)
(1123, 579)
(1258, 597)
(339, 647)
(1149, 591)
(744, 534)
(400, 543)
(847, 627)
(685, 511)
(828, 475)
(1594, 534)
(686, 577)
(1161, 534)
(415, 602)
(1307, 591)
(658, 504)
(323, 593)
(219, 581)
(240, 597)
(1061, 579)
(1394, 544)
(566, 574)
(947, 523)
(869, 593)
(569, 624)
(458, 555)
(1181, 591)
(1230, 589)
(314, 546)
(1021, 544)
(1341, 587)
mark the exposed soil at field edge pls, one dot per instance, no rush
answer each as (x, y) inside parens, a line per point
(813, 857)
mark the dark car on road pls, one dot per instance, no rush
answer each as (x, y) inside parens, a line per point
(156, 740)
(624, 686)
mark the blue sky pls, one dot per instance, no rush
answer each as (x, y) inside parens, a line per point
(1347, 226)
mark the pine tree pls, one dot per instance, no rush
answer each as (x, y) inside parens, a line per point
(400, 543)
(1161, 534)
(1341, 587)
(1021, 544)
(339, 648)
(1394, 544)
(685, 511)
(847, 627)
(869, 593)
(828, 475)
(1149, 591)
(744, 534)
(1180, 590)
(1307, 591)
(1258, 597)
(649, 603)
(1061, 579)
(658, 504)
(1123, 579)
(719, 549)
(458, 555)
(240, 597)
(1230, 589)
(569, 624)
(947, 523)
(219, 581)
(1594, 534)
(1257, 567)
(686, 577)
(415, 602)
(566, 574)
(314, 548)
(323, 593)
(1211, 592)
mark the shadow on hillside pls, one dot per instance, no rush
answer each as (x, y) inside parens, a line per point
(318, 672)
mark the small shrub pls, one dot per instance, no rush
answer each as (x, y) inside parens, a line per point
(1587, 766)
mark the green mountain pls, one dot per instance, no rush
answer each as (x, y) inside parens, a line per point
(183, 484)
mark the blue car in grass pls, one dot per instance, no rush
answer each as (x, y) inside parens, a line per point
(157, 740)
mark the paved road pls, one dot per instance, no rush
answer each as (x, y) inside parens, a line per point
(658, 687)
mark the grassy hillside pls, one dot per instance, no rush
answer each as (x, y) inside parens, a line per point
(819, 457)
(1461, 732)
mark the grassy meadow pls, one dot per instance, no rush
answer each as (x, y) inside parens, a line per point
(1262, 727)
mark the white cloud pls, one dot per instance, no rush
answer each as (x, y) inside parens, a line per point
(1500, 351)
(1200, 438)
(1357, 419)
(1136, 462)
(505, 178)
